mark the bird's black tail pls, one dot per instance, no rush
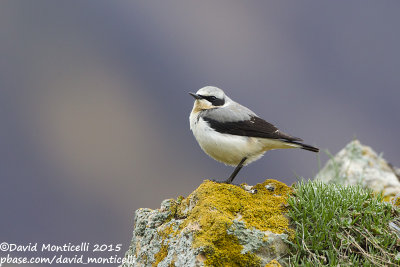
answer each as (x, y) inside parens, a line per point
(305, 146)
(309, 148)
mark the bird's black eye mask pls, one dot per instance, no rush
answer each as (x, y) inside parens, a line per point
(213, 100)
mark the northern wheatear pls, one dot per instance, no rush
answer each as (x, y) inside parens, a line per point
(233, 134)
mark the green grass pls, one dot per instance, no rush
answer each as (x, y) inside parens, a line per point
(341, 226)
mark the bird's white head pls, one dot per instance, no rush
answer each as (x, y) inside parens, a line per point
(209, 97)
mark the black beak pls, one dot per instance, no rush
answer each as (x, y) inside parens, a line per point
(196, 96)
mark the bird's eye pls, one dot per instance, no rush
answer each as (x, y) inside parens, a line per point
(215, 101)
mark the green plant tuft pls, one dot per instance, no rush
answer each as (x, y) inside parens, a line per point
(338, 225)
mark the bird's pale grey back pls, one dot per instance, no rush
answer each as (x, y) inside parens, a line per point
(229, 112)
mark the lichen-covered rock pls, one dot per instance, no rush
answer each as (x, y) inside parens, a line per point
(359, 164)
(396, 200)
(216, 225)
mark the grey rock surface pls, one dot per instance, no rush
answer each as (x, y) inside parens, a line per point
(359, 164)
(151, 235)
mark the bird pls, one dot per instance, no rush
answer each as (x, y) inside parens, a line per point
(233, 134)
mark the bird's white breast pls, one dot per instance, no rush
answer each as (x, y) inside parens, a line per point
(226, 148)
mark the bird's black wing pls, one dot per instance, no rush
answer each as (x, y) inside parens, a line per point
(254, 127)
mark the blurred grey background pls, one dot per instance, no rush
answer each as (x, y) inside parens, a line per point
(94, 105)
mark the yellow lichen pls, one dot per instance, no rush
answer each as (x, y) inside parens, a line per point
(214, 206)
(160, 255)
(210, 210)
(165, 233)
(273, 263)
(396, 200)
(145, 258)
(388, 198)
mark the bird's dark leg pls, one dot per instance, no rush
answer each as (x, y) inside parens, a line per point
(235, 172)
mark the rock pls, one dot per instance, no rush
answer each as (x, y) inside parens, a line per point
(395, 170)
(359, 164)
(216, 225)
